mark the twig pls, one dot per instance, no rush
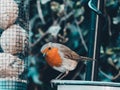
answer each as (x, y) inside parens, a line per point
(63, 38)
(40, 12)
(109, 26)
(110, 77)
(66, 16)
(81, 36)
(39, 40)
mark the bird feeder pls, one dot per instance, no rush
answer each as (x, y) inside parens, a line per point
(8, 13)
(14, 39)
(84, 85)
(13, 43)
(11, 67)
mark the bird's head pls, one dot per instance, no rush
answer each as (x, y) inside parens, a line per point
(51, 53)
(47, 48)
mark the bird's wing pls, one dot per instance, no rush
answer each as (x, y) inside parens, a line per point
(68, 53)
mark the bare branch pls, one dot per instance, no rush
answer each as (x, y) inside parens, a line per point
(81, 36)
(40, 12)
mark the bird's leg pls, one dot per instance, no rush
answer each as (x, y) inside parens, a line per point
(59, 76)
(66, 73)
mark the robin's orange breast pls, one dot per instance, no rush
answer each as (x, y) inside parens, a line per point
(53, 58)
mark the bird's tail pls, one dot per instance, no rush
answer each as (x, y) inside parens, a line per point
(86, 58)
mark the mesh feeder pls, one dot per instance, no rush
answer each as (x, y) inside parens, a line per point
(14, 40)
(14, 44)
(8, 13)
(11, 68)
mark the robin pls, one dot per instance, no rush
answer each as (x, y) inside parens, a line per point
(61, 58)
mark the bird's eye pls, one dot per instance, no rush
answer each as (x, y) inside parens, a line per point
(49, 48)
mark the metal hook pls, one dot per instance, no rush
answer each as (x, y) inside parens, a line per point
(94, 8)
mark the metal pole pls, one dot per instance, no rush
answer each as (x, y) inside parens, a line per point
(94, 42)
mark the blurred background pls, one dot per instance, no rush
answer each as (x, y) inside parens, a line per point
(72, 23)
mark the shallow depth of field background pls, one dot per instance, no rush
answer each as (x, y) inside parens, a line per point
(69, 22)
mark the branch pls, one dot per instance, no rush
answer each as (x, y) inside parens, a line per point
(110, 77)
(39, 40)
(40, 12)
(81, 36)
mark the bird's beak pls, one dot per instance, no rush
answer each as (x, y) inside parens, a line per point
(44, 54)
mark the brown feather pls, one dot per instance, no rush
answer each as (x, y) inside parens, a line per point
(68, 53)
(86, 58)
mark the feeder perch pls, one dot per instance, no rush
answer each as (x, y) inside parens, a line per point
(84, 85)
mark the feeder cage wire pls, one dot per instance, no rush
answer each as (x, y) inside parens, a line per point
(14, 26)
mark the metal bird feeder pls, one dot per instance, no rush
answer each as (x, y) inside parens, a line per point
(84, 85)
(13, 43)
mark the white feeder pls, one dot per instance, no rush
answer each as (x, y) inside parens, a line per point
(10, 66)
(14, 40)
(85, 85)
(8, 13)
